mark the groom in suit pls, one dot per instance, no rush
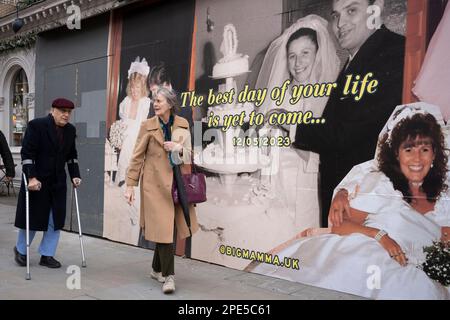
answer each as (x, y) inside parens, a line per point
(350, 133)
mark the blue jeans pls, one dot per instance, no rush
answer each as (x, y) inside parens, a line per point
(49, 240)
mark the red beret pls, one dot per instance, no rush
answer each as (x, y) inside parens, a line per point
(62, 103)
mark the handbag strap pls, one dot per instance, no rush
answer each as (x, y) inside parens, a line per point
(194, 168)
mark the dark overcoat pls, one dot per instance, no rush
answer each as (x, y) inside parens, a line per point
(45, 158)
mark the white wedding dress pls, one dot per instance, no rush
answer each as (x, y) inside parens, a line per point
(121, 222)
(358, 264)
(131, 131)
(294, 173)
(293, 176)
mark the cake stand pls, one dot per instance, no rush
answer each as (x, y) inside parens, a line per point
(228, 163)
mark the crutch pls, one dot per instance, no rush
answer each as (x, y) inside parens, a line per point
(83, 258)
(27, 217)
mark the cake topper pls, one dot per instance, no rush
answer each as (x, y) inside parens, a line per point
(229, 43)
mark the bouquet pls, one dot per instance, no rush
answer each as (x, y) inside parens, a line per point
(117, 134)
(437, 262)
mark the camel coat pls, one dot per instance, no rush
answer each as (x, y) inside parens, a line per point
(150, 164)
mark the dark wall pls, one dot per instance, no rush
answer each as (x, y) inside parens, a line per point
(73, 64)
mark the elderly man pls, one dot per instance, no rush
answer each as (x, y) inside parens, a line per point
(49, 144)
(349, 135)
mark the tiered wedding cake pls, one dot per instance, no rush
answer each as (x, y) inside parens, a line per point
(237, 201)
(224, 156)
(230, 65)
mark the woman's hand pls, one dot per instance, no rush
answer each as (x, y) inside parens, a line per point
(170, 146)
(445, 234)
(394, 250)
(129, 195)
(340, 207)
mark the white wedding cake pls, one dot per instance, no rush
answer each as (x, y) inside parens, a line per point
(232, 63)
(225, 156)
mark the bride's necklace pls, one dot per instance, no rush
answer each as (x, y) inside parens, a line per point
(416, 184)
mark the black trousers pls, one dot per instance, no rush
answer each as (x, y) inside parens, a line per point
(164, 259)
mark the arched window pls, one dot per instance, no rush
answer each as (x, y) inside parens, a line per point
(19, 107)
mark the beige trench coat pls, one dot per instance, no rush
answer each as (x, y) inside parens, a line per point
(150, 164)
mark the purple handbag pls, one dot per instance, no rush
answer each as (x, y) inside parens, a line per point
(195, 186)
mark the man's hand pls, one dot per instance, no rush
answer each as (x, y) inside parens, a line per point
(272, 111)
(340, 206)
(310, 232)
(76, 182)
(8, 179)
(34, 184)
(276, 125)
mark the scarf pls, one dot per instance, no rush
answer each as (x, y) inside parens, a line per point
(167, 131)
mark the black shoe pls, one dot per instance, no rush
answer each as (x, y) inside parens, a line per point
(49, 262)
(121, 183)
(21, 259)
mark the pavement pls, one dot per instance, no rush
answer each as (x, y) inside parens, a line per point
(118, 271)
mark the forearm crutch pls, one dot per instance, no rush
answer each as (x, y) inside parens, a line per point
(83, 258)
(27, 227)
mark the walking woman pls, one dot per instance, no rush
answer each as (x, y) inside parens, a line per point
(163, 143)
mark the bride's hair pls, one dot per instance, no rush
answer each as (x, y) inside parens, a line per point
(303, 32)
(137, 78)
(409, 129)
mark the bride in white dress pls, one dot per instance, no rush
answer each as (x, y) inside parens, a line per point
(133, 110)
(121, 221)
(304, 54)
(399, 205)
